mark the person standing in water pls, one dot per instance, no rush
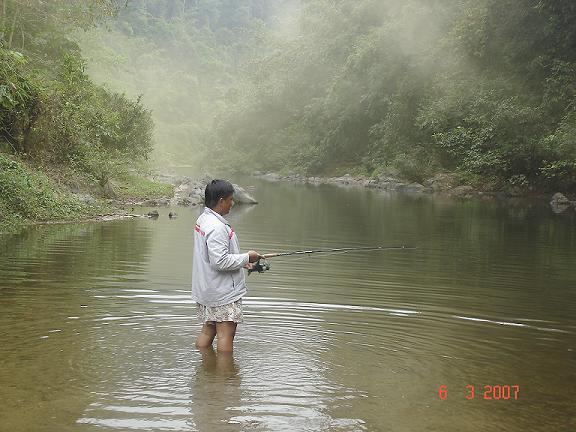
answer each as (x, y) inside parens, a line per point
(218, 280)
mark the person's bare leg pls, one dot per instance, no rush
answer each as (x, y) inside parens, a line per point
(206, 336)
(226, 331)
(208, 358)
(225, 365)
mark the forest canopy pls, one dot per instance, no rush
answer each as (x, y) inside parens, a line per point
(484, 89)
(51, 112)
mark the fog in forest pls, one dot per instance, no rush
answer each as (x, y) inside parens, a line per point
(187, 62)
(407, 88)
(193, 62)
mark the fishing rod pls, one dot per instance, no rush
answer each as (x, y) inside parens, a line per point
(262, 264)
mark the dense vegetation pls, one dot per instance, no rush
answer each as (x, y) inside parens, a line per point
(53, 118)
(483, 88)
(29, 195)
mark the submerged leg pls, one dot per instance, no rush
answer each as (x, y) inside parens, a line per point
(226, 331)
(206, 336)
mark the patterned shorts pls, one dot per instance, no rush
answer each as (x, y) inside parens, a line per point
(229, 312)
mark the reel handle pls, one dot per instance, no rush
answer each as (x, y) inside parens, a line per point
(260, 266)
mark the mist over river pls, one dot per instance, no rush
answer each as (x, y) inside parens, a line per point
(97, 325)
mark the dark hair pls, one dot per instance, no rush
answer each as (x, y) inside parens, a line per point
(215, 190)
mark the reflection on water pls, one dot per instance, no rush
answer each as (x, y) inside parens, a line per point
(215, 391)
(98, 329)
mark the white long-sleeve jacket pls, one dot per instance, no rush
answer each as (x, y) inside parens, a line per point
(217, 274)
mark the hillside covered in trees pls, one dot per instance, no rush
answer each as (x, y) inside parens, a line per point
(59, 131)
(186, 59)
(483, 89)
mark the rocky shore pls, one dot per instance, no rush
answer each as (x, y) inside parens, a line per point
(188, 192)
(78, 201)
(443, 184)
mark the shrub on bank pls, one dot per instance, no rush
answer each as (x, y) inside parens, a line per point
(19, 92)
(26, 195)
(130, 186)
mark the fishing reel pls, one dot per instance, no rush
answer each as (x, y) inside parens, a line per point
(259, 266)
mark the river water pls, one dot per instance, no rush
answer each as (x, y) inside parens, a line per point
(97, 328)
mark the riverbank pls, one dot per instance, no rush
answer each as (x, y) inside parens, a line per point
(32, 194)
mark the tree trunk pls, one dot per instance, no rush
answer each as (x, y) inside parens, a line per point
(2, 15)
(12, 29)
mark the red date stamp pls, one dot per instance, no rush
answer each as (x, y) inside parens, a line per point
(487, 392)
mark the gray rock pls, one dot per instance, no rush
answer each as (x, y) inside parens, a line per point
(191, 193)
(188, 192)
(560, 203)
(559, 199)
(313, 180)
(182, 189)
(349, 180)
(184, 202)
(185, 181)
(242, 197)
(196, 193)
(391, 186)
(441, 182)
(346, 179)
(205, 179)
(371, 184)
(271, 176)
(153, 214)
(414, 188)
(462, 191)
(195, 196)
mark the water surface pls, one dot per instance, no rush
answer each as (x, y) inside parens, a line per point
(97, 327)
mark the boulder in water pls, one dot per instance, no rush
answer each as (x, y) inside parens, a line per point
(242, 197)
(559, 203)
(559, 199)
